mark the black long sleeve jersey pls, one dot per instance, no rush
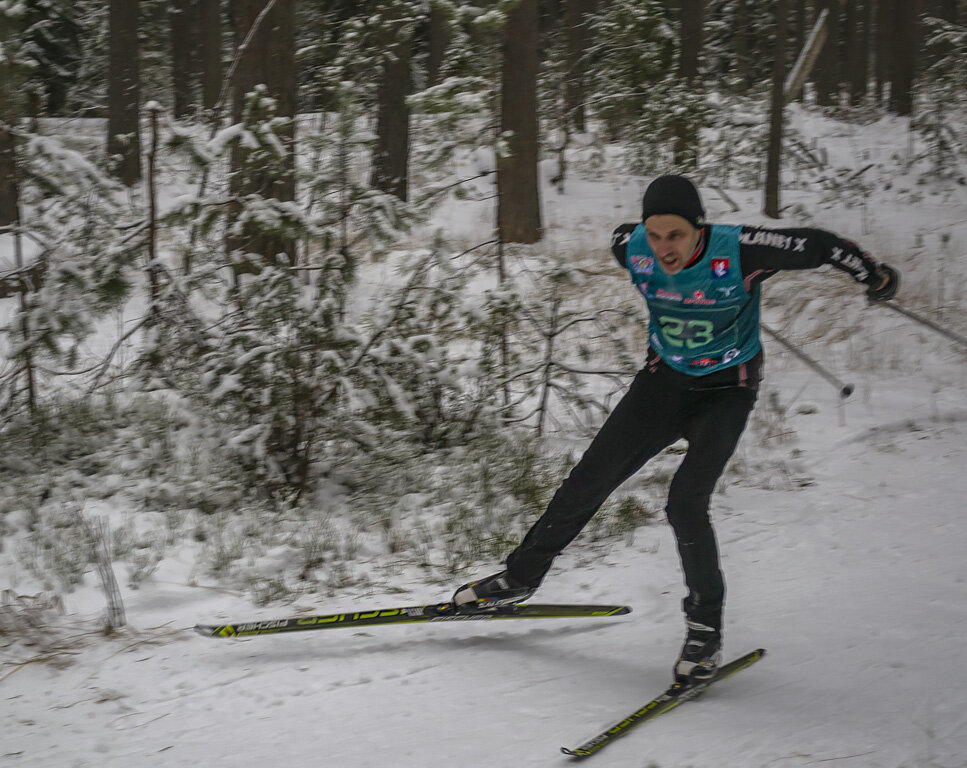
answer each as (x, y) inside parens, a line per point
(763, 253)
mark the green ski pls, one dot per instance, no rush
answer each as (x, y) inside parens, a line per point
(416, 614)
(677, 694)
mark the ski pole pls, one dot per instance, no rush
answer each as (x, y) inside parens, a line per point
(956, 337)
(845, 390)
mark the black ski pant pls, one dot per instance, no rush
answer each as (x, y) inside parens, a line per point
(660, 407)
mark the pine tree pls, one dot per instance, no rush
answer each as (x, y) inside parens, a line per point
(264, 93)
(639, 94)
(943, 97)
(52, 32)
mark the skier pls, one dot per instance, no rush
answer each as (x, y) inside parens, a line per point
(701, 283)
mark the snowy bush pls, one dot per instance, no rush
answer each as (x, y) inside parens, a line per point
(732, 151)
(943, 103)
(58, 551)
(81, 266)
(642, 100)
(27, 618)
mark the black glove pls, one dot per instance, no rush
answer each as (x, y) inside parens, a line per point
(885, 284)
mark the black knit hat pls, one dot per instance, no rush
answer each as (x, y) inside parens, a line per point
(673, 194)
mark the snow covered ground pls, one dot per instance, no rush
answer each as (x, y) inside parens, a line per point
(853, 577)
(857, 585)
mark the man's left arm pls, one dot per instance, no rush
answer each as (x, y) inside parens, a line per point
(763, 252)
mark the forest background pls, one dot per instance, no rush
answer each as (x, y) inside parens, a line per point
(234, 304)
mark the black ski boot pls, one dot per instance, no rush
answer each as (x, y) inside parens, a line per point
(492, 592)
(701, 654)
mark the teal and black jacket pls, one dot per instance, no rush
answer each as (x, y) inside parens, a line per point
(704, 320)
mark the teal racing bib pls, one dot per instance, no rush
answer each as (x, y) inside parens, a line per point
(702, 319)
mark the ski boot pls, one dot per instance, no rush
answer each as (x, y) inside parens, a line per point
(492, 592)
(701, 654)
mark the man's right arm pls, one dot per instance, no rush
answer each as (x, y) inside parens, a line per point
(619, 243)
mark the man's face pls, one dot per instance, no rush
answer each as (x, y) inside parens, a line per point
(673, 240)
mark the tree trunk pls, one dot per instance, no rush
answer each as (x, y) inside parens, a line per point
(742, 44)
(828, 67)
(124, 91)
(210, 44)
(438, 40)
(905, 42)
(269, 60)
(881, 39)
(851, 50)
(802, 28)
(774, 155)
(182, 23)
(270, 57)
(685, 145)
(9, 114)
(10, 111)
(392, 151)
(691, 39)
(865, 46)
(518, 204)
(578, 37)
(9, 191)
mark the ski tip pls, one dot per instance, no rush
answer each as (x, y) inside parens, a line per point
(573, 753)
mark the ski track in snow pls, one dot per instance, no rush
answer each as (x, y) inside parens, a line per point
(857, 585)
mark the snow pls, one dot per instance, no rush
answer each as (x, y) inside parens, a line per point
(857, 585)
(854, 579)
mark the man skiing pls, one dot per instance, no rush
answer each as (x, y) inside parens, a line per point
(701, 283)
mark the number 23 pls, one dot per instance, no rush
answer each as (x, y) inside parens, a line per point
(690, 333)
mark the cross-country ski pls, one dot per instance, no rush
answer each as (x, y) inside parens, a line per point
(414, 614)
(676, 695)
